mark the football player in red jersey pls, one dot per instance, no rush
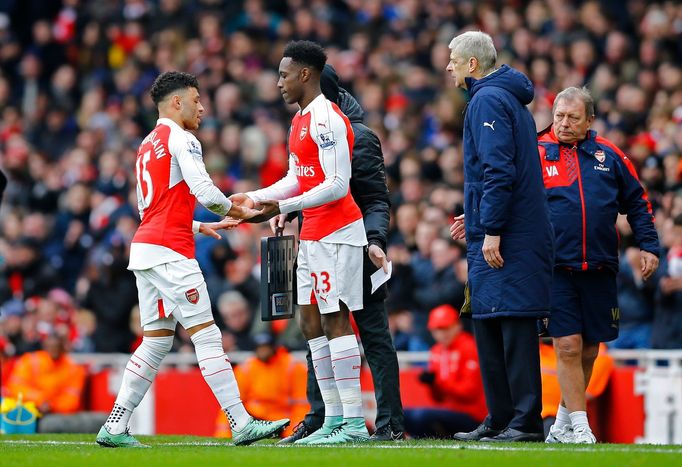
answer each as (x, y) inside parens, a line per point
(330, 256)
(171, 178)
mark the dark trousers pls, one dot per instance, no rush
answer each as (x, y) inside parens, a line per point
(509, 357)
(372, 323)
(437, 423)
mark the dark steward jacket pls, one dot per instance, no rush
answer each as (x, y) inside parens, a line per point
(368, 186)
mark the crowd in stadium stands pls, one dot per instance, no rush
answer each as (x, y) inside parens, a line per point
(74, 106)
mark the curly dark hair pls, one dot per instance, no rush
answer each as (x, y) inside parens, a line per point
(171, 81)
(306, 53)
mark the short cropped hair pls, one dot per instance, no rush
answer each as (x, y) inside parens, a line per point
(306, 53)
(581, 94)
(476, 44)
(171, 81)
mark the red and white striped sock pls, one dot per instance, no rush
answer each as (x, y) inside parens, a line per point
(217, 372)
(345, 355)
(137, 377)
(319, 351)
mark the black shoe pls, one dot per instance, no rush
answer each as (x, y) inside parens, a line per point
(481, 432)
(301, 431)
(386, 433)
(509, 435)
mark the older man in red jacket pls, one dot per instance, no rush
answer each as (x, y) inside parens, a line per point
(454, 379)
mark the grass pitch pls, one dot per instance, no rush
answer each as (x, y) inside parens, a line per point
(81, 450)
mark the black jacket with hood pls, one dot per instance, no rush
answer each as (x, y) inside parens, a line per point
(368, 175)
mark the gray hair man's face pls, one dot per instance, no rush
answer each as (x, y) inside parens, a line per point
(458, 67)
(570, 120)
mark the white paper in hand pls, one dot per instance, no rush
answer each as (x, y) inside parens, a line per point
(380, 277)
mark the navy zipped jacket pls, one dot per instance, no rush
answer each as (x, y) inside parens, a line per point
(587, 185)
(504, 195)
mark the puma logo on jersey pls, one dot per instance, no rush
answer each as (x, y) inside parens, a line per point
(491, 125)
(551, 171)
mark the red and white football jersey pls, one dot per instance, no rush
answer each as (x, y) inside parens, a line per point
(171, 177)
(320, 147)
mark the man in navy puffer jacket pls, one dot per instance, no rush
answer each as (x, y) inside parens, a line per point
(510, 242)
(588, 182)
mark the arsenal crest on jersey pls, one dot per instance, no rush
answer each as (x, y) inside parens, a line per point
(600, 156)
(192, 296)
(304, 131)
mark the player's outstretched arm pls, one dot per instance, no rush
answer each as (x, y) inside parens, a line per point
(211, 228)
(187, 151)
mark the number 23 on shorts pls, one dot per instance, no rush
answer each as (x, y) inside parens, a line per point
(324, 278)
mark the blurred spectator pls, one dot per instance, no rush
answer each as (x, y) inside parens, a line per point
(444, 286)
(19, 329)
(401, 327)
(453, 378)
(667, 325)
(237, 319)
(108, 291)
(26, 273)
(272, 385)
(234, 271)
(636, 302)
(49, 378)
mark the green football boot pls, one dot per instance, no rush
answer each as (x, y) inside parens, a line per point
(122, 440)
(352, 431)
(258, 429)
(329, 425)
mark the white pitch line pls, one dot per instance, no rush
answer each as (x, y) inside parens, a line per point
(454, 446)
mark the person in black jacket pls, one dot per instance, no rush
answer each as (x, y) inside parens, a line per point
(368, 187)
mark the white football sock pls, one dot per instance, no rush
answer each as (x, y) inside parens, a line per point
(579, 419)
(562, 418)
(346, 364)
(217, 372)
(320, 353)
(137, 377)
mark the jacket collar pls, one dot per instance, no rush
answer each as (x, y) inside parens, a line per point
(473, 84)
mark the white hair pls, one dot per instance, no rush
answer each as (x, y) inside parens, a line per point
(475, 44)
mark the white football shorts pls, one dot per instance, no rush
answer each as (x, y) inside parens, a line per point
(328, 273)
(173, 292)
